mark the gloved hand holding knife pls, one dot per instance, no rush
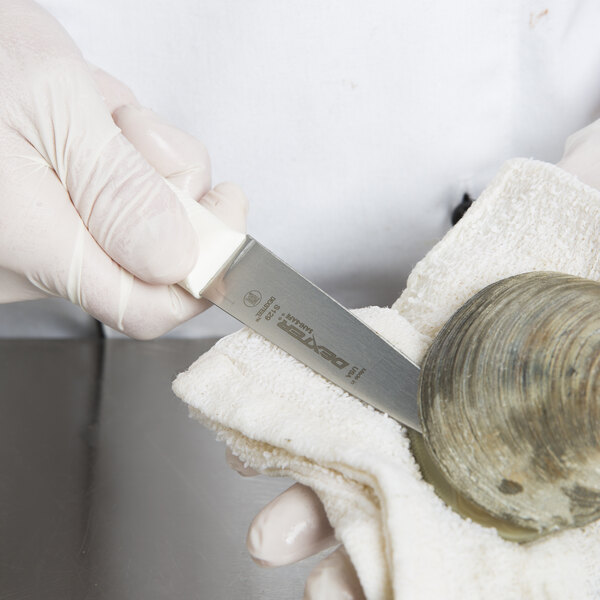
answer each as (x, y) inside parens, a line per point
(90, 183)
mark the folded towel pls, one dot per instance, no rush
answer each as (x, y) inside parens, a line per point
(283, 419)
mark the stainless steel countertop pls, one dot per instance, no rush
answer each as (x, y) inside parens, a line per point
(109, 491)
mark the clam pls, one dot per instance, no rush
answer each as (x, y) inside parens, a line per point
(510, 405)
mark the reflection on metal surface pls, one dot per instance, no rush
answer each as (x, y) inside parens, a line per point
(108, 491)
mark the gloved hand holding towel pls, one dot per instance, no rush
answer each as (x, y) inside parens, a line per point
(281, 418)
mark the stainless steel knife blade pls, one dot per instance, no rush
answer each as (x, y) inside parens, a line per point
(267, 295)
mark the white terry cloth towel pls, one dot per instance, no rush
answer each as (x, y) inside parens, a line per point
(283, 419)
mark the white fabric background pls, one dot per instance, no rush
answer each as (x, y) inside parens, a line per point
(353, 126)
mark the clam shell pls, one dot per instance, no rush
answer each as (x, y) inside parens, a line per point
(510, 401)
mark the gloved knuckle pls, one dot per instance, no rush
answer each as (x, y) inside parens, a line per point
(233, 195)
(142, 332)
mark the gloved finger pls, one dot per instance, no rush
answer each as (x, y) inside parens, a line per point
(58, 256)
(176, 155)
(334, 578)
(291, 527)
(113, 91)
(142, 311)
(237, 465)
(16, 288)
(229, 203)
(124, 203)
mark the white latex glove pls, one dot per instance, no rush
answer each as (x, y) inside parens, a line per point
(86, 212)
(294, 526)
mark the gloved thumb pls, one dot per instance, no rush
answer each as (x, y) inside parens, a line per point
(124, 203)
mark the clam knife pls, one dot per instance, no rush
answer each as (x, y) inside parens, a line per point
(249, 282)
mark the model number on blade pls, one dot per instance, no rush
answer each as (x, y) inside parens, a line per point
(265, 307)
(272, 312)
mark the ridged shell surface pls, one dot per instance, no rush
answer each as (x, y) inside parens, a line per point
(510, 400)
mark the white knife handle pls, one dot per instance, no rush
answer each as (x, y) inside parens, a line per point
(217, 243)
